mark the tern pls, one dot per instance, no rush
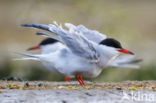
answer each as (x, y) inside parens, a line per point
(85, 54)
(49, 45)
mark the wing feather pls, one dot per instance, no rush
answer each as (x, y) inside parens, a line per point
(92, 35)
(77, 43)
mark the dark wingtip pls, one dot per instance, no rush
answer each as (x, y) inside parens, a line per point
(28, 25)
(131, 53)
(24, 25)
(39, 33)
(137, 61)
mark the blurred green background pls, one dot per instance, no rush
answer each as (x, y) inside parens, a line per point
(133, 22)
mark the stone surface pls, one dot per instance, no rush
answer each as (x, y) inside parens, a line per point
(62, 92)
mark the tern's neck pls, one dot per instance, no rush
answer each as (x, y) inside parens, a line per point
(107, 54)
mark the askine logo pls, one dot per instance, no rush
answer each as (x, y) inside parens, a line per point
(138, 96)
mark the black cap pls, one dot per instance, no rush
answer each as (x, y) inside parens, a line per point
(48, 41)
(111, 42)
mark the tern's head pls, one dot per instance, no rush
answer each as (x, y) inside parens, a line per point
(45, 42)
(115, 44)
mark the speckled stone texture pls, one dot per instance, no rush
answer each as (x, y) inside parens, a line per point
(62, 92)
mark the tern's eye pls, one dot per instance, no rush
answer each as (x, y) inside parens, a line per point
(111, 42)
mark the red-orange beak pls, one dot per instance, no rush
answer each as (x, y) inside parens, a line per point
(126, 51)
(34, 48)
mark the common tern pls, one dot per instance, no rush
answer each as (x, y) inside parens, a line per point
(49, 45)
(85, 53)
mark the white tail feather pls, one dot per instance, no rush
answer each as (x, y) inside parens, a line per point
(125, 62)
(132, 66)
(29, 57)
(25, 59)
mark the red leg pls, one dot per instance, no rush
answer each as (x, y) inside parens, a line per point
(82, 80)
(78, 79)
(67, 79)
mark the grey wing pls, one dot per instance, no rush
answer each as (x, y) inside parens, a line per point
(81, 47)
(74, 40)
(77, 43)
(39, 26)
(51, 36)
(92, 35)
(43, 27)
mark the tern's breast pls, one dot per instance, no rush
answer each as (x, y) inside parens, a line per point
(70, 64)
